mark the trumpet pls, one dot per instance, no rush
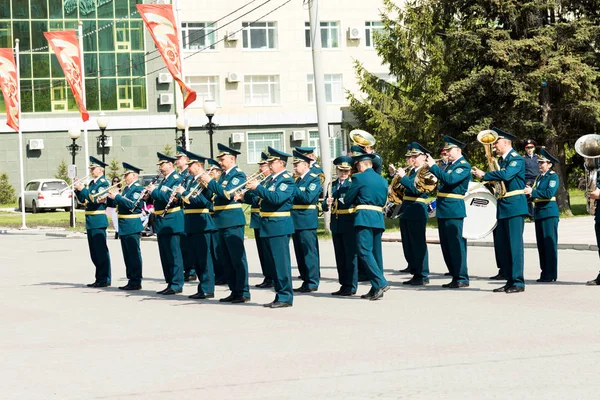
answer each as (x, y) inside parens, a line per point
(104, 193)
(257, 176)
(71, 186)
(197, 189)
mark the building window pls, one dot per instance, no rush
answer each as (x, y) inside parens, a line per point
(370, 27)
(336, 144)
(206, 87)
(59, 101)
(334, 93)
(261, 90)
(330, 35)
(258, 142)
(122, 36)
(259, 35)
(198, 35)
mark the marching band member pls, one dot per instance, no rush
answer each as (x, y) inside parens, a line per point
(545, 214)
(130, 226)
(230, 220)
(451, 211)
(187, 254)
(408, 161)
(95, 221)
(511, 212)
(595, 195)
(215, 171)
(413, 220)
(309, 152)
(306, 220)
(169, 227)
(199, 225)
(250, 197)
(368, 194)
(342, 229)
(276, 224)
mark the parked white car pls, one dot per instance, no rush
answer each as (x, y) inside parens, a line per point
(47, 194)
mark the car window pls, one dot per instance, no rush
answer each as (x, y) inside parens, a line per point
(33, 185)
(56, 185)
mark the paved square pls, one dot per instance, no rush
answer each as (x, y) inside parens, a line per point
(62, 340)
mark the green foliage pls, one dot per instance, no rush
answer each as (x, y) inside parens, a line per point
(168, 150)
(62, 172)
(529, 67)
(7, 192)
(114, 169)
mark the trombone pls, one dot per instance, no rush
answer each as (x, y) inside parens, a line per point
(257, 176)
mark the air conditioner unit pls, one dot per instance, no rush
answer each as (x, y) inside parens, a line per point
(165, 77)
(298, 135)
(166, 99)
(238, 137)
(36, 144)
(233, 77)
(354, 33)
(231, 36)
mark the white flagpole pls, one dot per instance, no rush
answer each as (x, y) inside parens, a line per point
(21, 167)
(85, 132)
(185, 121)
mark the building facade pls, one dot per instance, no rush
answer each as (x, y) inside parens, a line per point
(253, 60)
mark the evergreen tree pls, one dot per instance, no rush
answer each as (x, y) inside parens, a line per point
(528, 67)
(7, 192)
(62, 172)
(168, 150)
(114, 169)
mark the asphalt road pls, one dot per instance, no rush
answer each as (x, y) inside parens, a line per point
(62, 340)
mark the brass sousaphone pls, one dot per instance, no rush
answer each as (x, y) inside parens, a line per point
(588, 147)
(362, 138)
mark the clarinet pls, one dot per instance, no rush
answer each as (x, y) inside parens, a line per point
(143, 193)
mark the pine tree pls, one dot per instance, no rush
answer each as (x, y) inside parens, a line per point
(528, 67)
(7, 192)
(62, 172)
(114, 169)
(168, 150)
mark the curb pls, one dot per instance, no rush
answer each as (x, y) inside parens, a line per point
(561, 246)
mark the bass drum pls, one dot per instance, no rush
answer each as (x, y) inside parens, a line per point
(481, 219)
(391, 210)
(431, 208)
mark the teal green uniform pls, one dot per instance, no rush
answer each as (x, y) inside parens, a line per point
(130, 227)
(187, 253)
(453, 183)
(545, 214)
(276, 226)
(230, 220)
(511, 212)
(252, 198)
(413, 222)
(306, 220)
(343, 235)
(95, 225)
(168, 230)
(368, 194)
(199, 227)
(597, 219)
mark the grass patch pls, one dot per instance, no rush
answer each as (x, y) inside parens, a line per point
(54, 219)
(578, 203)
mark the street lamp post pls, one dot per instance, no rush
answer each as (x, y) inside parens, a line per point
(181, 124)
(210, 107)
(73, 148)
(102, 121)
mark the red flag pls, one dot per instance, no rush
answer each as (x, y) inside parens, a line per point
(10, 87)
(160, 21)
(66, 47)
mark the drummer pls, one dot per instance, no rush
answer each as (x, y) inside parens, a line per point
(453, 183)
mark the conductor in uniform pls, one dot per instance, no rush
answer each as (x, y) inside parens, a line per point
(96, 221)
(130, 225)
(368, 195)
(543, 194)
(453, 183)
(511, 212)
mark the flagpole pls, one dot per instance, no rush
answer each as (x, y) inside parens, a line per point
(21, 167)
(85, 132)
(186, 145)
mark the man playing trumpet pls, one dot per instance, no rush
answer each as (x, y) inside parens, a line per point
(511, 212)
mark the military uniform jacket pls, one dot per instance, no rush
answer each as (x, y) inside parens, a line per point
(129, 222)
(532, 168)
(512, 173)
(343, 220)
(368, 194)
(543, 195)
(173, 222)
(276, 205)
(413, 210)
(198, 209)
(228, 213)
(597, 213)
(377, 163)
(252, 198)
(306, 197)
(95, 213)
(454, 180)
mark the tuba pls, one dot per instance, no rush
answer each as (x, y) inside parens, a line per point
(487, 138)
(588, 147)
(362, 138)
